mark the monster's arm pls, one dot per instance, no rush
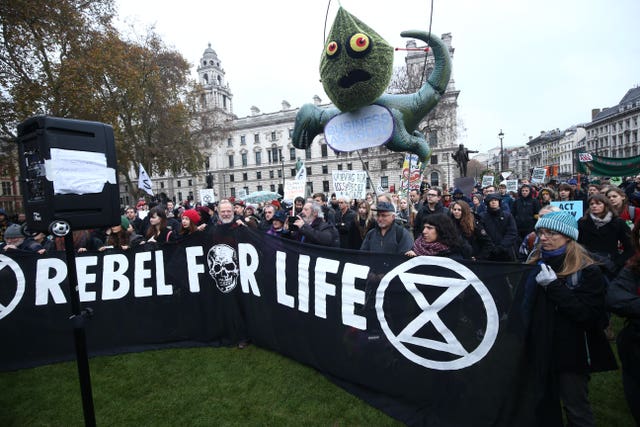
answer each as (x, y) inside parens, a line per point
(310, 122)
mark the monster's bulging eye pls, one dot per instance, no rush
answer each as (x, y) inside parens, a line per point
(332, 49)
(359, 44)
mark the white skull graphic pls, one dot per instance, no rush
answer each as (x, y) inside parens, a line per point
(223, 267)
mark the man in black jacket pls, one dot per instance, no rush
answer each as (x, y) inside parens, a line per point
(501, 227)
(345, 217)
(432, 206)
(525, 211)
(312, 228)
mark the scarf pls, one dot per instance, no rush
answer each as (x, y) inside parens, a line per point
(550, 254)
(421, 247)
(601, 222)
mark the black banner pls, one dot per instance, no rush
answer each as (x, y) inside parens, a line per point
(429, 340)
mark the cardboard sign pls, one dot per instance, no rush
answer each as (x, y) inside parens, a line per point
(487, 180)
(538, 175)
(512, 185)
(352, 184)
(574, 207)
(207, 196)
(294, 188)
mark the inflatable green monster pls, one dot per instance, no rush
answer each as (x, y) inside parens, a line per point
(356, 68)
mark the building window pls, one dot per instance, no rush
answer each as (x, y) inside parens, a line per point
(290, 132)
(190, 182)
(259, 187)
(258, 157)
(245, 176)
(293, 172)
(243, 140)
(232, 178)
(366, 165)
(243, 156)
(325, 186)
(434, 159)
(309, 187)
(383, 164)
(179, 184)
(180, 195)
(323, 150)
(435, 179)
(272, 188)
(6, 188)
(309, 171)
(274, 154)
(273, 135)
(292, 153)
(325, 169)
(339, 166)
(259, 175)
(161, 184)
(256, 138)
(307, 153)
(271, 174)
(233, 192)
(349, 166)
(384, 181)
(230, 160)
(279, 173)
(229, 142)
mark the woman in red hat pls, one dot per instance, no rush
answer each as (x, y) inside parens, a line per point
(190, 220)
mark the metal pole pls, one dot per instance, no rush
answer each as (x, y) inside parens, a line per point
(501, 135)
(366, 169)
(78, 319)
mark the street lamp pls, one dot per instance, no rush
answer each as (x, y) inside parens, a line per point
(501, 135)
(282, 169)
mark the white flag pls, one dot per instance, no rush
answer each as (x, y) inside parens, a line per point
(301, 175)
(144, 182)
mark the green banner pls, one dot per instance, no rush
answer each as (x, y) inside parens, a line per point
(608, 166)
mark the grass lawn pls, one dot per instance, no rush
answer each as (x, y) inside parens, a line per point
(214, 386)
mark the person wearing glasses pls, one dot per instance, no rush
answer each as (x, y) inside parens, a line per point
(574, 286)
(387, 236)
(431, 206)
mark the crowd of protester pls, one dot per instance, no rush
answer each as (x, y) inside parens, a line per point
(582, 254)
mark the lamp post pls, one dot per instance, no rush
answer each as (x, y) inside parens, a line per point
(501, 135)
(282, 169)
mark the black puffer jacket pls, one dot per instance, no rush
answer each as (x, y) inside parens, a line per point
(579, 342)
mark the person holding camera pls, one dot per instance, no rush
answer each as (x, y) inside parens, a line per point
(312, 228)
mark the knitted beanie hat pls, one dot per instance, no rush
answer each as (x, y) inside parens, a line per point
(562, 222)
(192, 215)
(124, 222)
(13, 231)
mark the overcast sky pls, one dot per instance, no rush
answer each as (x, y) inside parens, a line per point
(520, 65)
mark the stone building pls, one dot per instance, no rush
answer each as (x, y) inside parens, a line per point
(615, 131)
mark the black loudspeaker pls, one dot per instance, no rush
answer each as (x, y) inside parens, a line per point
(68, 173)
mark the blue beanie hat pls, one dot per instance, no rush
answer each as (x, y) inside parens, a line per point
(562, 222)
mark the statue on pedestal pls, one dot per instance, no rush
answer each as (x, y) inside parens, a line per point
(461, 156)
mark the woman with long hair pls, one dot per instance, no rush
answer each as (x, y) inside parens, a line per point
(158, 231)
(440, 238)
(362, 223)
(620, 205)
(471, 229)
(190, 220)
(406, 213)
(623, 299)
(574, 286)
(604, 234)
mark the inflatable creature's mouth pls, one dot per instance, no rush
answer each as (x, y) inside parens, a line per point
(354, 76)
